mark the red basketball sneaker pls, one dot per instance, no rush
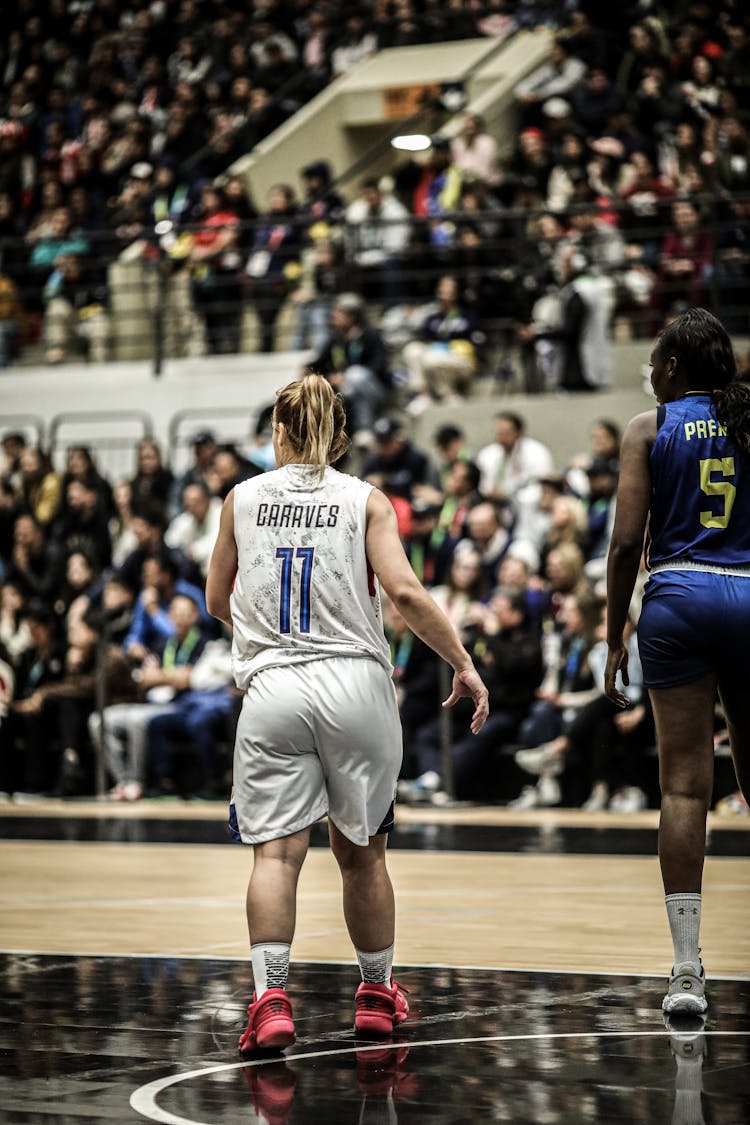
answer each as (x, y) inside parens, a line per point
(379, 1008)
(270, 1023)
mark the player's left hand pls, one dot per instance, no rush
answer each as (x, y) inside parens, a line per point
(617, 661)
(468, 684)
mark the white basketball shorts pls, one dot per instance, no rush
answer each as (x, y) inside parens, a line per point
(318, 738)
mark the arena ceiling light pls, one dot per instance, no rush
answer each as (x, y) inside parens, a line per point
(411, 142)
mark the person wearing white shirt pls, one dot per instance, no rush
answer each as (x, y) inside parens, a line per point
(194, 530)
(512, 466)
(377, 235)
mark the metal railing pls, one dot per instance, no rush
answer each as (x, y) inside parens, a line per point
(112, 436)
(157, 304)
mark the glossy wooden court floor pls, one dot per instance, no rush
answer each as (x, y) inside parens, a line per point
(534, 946)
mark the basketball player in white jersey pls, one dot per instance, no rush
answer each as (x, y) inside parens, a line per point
(295, 572)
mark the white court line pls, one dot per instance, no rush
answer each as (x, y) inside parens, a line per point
(143, 1100)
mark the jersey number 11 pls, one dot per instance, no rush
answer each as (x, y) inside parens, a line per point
(287, 556)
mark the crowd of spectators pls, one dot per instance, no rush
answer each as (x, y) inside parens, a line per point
(626, 194)
(626, 190)
(107, 654)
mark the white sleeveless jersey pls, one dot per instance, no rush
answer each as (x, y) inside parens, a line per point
(304, 589)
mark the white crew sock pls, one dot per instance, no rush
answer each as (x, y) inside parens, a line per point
(376, 967)
(684, 914)
(270, 965)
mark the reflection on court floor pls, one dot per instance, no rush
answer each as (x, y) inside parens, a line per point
(127, 1039)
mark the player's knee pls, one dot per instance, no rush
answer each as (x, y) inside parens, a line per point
(354, 857)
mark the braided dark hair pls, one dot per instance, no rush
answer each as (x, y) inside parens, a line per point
(700, 344)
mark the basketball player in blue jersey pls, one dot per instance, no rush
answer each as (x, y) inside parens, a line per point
(295, 573)
(685, 480)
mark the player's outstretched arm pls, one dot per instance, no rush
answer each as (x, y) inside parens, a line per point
(386, 556)
(222, 569)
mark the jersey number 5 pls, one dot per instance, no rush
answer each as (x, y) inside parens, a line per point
(287, 556)
(724, 488)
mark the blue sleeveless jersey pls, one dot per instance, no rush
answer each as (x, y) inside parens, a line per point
(700, 502)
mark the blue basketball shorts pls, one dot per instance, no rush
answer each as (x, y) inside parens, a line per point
(694, 623)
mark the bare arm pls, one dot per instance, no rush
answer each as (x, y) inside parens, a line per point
(387, 558)
(626, 544)
(222, 568)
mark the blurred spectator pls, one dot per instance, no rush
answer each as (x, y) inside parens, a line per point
(75, 313)
(194, 530)
(567, 173)
(83, 523)
(489, 535)
(437, 191)
(506, 647)
(512, 465)
(264, 33)
(38, 486)
(203, 448)
(321, 201)
(657, 105)
(377, 238)
(355, 45)
(80, 465)
(215, 264)
(121, 532)
(732, 155)
(567, 524)
(396, 460)
(584, 335)
(147, 525)
(461, 488)
(81, 579)
(315, 51)
(152, 624)
(428, 548)
(466, 583)
(31, 728)
(416, 679)
(259, 449)
(354, 360)
(599, 241)
(164, 672)
(554, 78)
(474, 150)
(591, 101)
(603, 474)
(700, 92)
(648, 47)
(35, 565)
(153, 480)
(735, 62)
(228, 468)
(11, 320)
(274, 263)
(733, 266)
(15, 637)
(565, 574)
(567, 687)
(450, 444)
(643, 217)
(322, 279)
(200, 714)
(686, 258)
(60, 242)
(586, 40)
(443, 362)
(531, 167)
